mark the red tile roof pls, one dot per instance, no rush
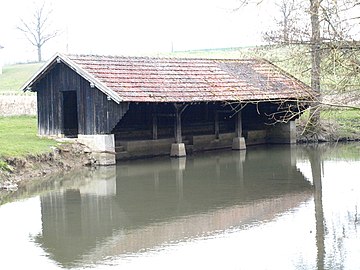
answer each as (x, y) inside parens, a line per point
(144, 79)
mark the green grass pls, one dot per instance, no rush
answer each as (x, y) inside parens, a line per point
(345, 123)
(14, 76)
(18, 137)
(348, 121)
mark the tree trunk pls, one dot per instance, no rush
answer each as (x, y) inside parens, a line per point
(314, 119)
(39, 53)
(286, 31)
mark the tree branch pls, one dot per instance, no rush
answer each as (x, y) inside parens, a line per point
(36, 30)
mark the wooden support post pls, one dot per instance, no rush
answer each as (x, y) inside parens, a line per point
(178, 135)
(179, 109)
(154, 122)
(217, 127)
(238, 141)
(155, 127)
(238, 125)
(178, 148)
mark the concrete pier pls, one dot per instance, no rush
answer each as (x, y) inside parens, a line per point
(102, 147)
(238, 143)
(178, 150)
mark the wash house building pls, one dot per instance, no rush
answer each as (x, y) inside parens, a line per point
(140, 106)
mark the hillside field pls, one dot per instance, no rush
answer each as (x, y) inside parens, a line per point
(14, 76)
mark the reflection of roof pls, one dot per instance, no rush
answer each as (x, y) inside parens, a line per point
(144, 79)
(195, 226)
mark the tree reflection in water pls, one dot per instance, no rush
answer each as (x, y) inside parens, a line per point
(149, 206)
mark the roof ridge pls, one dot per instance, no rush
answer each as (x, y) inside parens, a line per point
(164, 57)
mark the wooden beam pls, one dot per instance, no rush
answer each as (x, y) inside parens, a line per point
(179, 109)
(217, 122)
(238, 125)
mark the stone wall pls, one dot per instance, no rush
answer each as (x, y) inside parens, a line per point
(11, 105)
(282, 133)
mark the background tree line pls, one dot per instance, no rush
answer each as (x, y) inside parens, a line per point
(322, 38)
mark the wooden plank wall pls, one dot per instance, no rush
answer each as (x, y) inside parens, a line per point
(96, 114)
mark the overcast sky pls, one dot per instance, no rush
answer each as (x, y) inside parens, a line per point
(133, 27)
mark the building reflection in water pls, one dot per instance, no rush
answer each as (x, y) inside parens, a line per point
(143, 204)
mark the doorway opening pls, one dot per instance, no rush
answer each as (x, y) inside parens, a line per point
(70, 114)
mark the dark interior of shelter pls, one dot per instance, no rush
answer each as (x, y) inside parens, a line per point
(197, 119)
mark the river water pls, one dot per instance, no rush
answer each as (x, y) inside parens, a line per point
(270, 207)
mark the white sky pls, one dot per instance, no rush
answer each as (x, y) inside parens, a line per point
(123, 27)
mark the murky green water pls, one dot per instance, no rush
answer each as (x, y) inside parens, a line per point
(277, 207)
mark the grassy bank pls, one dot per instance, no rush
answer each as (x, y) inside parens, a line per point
(14, 76)
(25, 156)
(336, 125)
(348, 122)
(18, 137)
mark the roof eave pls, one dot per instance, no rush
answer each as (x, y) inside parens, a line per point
(94, 82)
(58, 57)
(29, 83)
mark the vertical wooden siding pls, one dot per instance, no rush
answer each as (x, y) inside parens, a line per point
(96, 114)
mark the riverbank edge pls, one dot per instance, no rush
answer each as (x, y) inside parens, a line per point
(66, 157)
(72, 155)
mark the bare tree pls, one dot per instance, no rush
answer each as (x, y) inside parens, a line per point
(330, 36)
(38, 30)
(326, 34)
(291, 26)
(315, 63)
(341, 43)
(287, 8)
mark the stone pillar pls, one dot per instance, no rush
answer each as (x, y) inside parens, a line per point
(238, 141)
(178, 148)
(282, 133)
(102, 147)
